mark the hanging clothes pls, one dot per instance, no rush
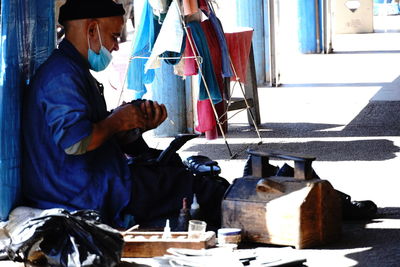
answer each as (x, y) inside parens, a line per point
(190, 7)
(170, 40)
(190, 65)
(204, 6)
(207, 68)
(206, 117)
(144, 40)
(220, 35)
(239, 44)
(160, 8)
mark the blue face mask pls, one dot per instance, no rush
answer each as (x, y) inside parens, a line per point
(100, 61)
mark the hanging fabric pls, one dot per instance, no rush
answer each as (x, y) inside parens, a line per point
(170, 40)
(160, 8)
(206, 118)
(190, 7)
(226, 64)
(206, 66)
(147, 32)
(239, 44)
(190, 65)
(203, 5)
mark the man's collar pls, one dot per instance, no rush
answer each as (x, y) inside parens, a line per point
(69, 49)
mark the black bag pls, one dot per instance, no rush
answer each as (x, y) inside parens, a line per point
(166, 181)
(61, 238)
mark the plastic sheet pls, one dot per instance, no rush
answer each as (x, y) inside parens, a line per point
(27, 38)
(60, 238)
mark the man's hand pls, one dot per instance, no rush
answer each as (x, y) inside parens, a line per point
(127, 117)
(123, 118)
(154, 113)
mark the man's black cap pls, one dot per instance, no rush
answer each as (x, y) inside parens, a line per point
(89, 9)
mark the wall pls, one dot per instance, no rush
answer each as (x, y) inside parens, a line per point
(356, 21)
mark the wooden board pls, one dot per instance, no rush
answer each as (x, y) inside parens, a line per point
(150, 244)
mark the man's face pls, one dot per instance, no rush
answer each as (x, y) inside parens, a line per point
(110, 31)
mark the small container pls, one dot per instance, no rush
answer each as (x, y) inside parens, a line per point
(229, 236)
(196, 229)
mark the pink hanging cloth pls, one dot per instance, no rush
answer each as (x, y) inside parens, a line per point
(190, 65)
(239, 44)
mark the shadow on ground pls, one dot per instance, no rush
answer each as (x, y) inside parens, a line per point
(380, 244)
(375, 120)
(365, 150)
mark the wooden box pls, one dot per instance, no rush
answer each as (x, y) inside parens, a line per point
(151, 244)
(298, 211)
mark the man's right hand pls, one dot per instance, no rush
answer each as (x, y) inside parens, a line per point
(127, 117)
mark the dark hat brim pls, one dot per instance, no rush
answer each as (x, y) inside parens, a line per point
(89, 9)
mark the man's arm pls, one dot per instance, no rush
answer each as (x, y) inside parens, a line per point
(123, 118)
(126, 117)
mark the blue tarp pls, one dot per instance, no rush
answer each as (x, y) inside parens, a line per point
(27, 38)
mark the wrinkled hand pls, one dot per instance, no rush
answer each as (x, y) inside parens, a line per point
(154, 114)
(129, 117)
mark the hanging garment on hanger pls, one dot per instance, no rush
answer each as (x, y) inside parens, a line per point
(239, 44)
(170, 39)
(146, 34)
(206, 66)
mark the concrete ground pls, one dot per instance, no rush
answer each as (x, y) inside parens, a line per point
(342, 108)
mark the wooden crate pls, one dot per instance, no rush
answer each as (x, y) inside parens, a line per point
(150, 244)
(301, 212)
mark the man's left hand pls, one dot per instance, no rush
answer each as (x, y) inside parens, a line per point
(154, 114)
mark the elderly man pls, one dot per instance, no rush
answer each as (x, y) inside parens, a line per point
(74, 148)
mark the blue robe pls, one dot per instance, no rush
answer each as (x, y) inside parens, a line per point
(61, 104)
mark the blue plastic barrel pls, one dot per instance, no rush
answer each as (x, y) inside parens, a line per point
(169, 89)
(251, 14)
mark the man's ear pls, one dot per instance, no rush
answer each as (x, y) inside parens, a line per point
(92, 28)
